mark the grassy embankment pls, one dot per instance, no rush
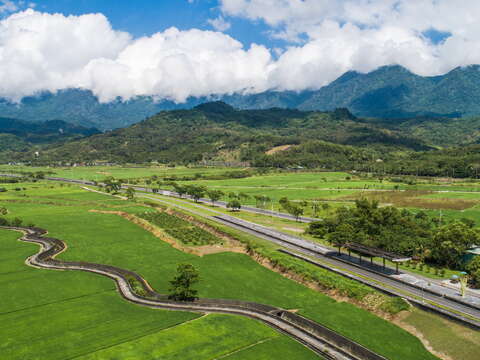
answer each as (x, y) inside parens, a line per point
(62, 314)
(110, 239)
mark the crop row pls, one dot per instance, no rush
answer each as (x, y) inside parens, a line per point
(193, 236)
(164, 220)
(180, 229)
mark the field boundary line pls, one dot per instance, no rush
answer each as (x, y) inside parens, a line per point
(322, 340)
(224, 356)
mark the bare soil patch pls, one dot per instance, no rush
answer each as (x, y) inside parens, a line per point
(412, 198)
(277, 149)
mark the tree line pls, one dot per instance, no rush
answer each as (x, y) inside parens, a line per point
(424, 238)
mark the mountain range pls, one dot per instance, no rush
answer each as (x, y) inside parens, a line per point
(19, 135)
(390, 92)
(216, 133)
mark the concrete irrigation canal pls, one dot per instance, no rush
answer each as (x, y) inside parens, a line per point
(323, 341)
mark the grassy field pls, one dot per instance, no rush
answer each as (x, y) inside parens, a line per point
(446, 336)
(46, 317)
(110, 239)
(61, 315)
(120, 172)
(253, 340)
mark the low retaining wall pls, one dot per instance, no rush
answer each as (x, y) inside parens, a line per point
(322, 340)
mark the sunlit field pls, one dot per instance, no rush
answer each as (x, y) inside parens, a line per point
(110, 239)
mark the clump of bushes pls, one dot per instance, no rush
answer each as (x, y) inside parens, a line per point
(136, 286)
(16, 222)
(164, 220)
(394, 305)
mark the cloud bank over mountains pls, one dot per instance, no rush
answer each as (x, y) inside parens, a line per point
(324, 38)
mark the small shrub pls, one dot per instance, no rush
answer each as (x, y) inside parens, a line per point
(136, 286)
(17, 222)
(394, 305)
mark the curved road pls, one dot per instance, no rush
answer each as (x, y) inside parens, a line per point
(310, 334)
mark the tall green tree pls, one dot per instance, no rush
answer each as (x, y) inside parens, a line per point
(130, 192)
(181, 288)
(451, 241)
(214, 195)
(196, 192)
(112, 185)
(473, 269)
(235, 205)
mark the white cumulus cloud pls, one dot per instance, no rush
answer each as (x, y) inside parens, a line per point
(325, 38)
(328, 38)
(40, 51)
(219, 24)
(177, 64)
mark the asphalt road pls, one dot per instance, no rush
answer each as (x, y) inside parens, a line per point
(322, 253)
(328, 256)
(223, 204)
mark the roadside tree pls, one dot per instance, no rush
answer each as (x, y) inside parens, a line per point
(214, 195)
(130, 193)
(234, 205)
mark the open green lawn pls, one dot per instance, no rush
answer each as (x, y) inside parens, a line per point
(110, 239)
(446, 336)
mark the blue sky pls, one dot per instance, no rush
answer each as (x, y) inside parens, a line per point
(122, 48)
(146, 17)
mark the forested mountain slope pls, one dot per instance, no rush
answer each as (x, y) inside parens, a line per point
(216, 131)
(19, 135)
(388, 92)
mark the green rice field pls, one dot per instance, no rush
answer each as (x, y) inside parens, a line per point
(111, 239)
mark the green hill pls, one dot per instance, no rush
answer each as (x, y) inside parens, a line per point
(388, 92)
(218, 132)
(20, 136)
